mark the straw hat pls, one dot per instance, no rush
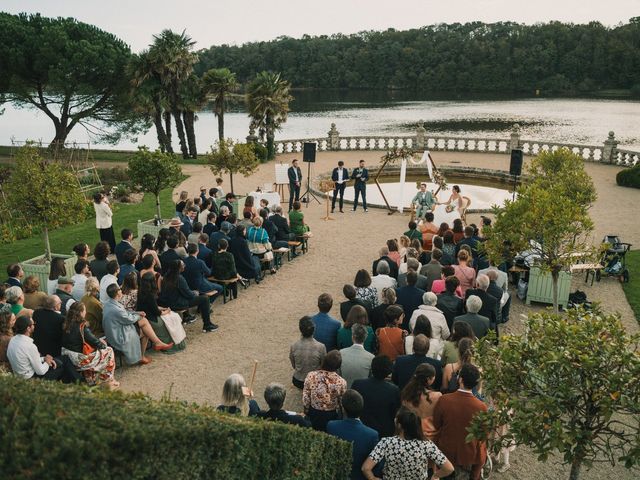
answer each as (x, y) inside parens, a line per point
(175, 223)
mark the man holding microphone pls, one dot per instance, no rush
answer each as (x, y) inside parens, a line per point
(360, 175)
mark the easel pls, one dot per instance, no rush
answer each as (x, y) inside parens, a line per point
(325, 187)
(282, 179)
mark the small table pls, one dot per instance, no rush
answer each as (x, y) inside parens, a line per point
(590, 268)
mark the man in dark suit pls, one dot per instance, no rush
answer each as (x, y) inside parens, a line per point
(124, 245)
(284, 233)
(405, 365)
(448, 302)
(433, 269)
(490, 304)
(188, 221)
(452, 416)
(495, 291)
(360, 175)
(421, 283)
(409, 297)
(215, 237)
(274, 395)
(393, 266)
(470, 241)
(204, 252)
(16, 274)
(47, 333)
(349, 292)
(340, 177)
(295, 180)
(170, 255)
(351, 429)
(381, 397)
(210, 226)
(479, 323)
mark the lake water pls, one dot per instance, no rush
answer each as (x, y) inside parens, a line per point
(371, 113)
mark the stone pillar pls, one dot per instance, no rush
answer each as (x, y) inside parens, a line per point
(252, 137)
(514, 142)
(421, 133)
(333, 138)
(609, 151)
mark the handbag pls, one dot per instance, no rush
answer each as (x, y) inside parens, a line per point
(86, 348)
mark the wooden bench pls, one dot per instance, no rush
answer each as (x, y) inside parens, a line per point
(225, 290)
(278, 253)
(590, 268)
(293, 244)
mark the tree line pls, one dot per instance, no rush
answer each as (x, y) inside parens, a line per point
(504, 57)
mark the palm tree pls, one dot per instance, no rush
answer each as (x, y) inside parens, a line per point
(220, 83)
(173, 61)
(268, 103)
(192, 98)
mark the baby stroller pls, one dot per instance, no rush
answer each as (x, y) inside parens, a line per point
(613, 259)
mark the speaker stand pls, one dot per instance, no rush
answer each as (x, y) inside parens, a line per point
(308, 192)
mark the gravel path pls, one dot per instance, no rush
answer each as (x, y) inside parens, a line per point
(262, 323)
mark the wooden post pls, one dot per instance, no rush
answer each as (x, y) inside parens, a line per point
(253, 377)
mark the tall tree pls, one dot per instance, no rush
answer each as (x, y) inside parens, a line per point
(70, 71)
(173, 61)
(232, 158)
(192, 98)
(268, 103)
(220, 83)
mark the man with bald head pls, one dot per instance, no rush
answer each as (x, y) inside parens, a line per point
(393, 266)
(405, 365)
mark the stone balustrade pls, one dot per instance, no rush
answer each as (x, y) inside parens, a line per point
(608, 152)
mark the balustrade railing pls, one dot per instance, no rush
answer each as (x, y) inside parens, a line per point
(608, 152)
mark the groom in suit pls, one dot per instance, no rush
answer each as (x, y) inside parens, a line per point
(295, 180)
(360, 175)
(340, 177)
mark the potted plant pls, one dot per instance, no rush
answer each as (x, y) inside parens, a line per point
(47, 195)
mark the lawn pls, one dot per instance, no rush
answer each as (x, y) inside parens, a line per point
(632, 289)
(63, 239)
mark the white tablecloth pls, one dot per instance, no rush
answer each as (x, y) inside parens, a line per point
(272, 197)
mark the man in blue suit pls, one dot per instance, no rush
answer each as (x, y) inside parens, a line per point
(409, 297)
(15, 273)
(124, 245)
(351, 429)
(360, 175)
(340, 177)
(204, 252)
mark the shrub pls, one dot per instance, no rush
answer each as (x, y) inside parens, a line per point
(50, 430)
(629, 177)
(261, 152)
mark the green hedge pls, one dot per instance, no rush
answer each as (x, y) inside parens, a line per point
(629, 177)
(50, 430)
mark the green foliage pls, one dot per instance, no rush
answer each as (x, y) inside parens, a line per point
(152, 172)
(472, 57)
(632, 287)
(220, 83)
(112, 435)
(549, 216)
(71, 71)
(261, 152)
(569, 386)
(629, 177)
(46, 194)
(229, 157)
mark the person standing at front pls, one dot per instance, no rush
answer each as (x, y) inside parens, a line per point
(340, 177)
(295, 180)
(360, 175)
(104, 222)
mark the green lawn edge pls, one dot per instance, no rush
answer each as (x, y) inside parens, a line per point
(63, 239)
(632, 288)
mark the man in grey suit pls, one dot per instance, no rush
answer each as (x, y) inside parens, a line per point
(479, 324)
(433, 269)
(413, 264)
(356, 361)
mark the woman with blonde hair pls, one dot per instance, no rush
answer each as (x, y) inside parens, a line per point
(93, 306)
(235, 397)
(33, 297)
(182, 201)
(405, 242)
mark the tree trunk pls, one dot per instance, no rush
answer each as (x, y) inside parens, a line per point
(231, 180)
(162, 136)
(221, 125)
(60, 138)
(167, 130)
(555, 274)
(47, 245)
(181, 136)
(158, 207)
(576, 465)
(189, 126)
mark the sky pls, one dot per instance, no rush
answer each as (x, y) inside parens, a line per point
(216, 22)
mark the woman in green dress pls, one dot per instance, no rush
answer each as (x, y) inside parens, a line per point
(357, 314)
(296, 220)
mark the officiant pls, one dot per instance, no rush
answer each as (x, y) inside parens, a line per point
(424, 201)
(360, 175)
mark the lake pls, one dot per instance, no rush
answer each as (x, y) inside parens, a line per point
(373, 113)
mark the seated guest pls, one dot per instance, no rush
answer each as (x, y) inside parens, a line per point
(224, 268)
(146, 266)
(15, 298)
(97, 366)
(479, 323)
(356, 361)
(406, 365)
(438, 321)
(357, 315)
(124, 245)
(274, 395)
(490, 304)
(322, 391)
(111, 278)
(258, 241)
(195, 233)
(235, 397)
(450, 352)
(464, 273)
(382, 280)
(196, 273)
(433, 269)
(408, 454)
(147, 248)
(210, 225)
(247, 264)
(503, 297)
(56, 270)
(381, 397)
(349, 292)
(166, 324)
(204, 252)
(423, 327)
(246, 221)
(171, 254)
(119, 328)
(249, 207)
(413, 231)
(411, 253)
(391, 337)
(175, 294)
(188, 219)
(205, 209)
(449, 303)
(362, 438)
(225, 213)
(161, 242)
(271, 229)
(377, 318)
(438, 286)
(413, 265)
(283, 234)
(215, 237)
(393, 266)
(98, 265)
(129, 298)
(423, 257)
(47, 332)
(451, 371)
(364, 290)
(296, 220)
(326, 327)
(15, 275)
(93, 306)
(394, 254)
(127, 265)
(33, 297)
(419, 396)
(448, 249)
(428, 230)
(7, 321)
(306, 354)
(409, 297)
(82, 272)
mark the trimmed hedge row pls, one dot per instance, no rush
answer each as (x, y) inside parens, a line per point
(629, 177)
(50, 430)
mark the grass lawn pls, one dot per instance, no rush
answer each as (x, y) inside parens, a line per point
(63, 239)
(632, 289)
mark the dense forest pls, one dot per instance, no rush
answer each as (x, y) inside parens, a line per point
(472, 57)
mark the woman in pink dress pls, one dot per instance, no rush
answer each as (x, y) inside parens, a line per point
(465, 273)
